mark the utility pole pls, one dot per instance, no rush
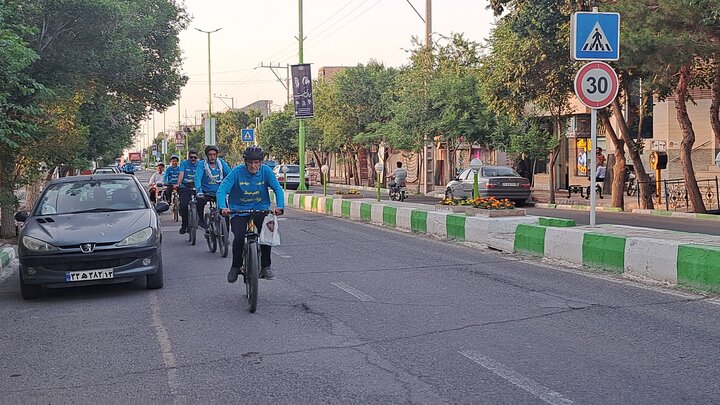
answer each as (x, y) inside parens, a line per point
(286, 82)
(211, 137)
(301, 135)
(428, 155)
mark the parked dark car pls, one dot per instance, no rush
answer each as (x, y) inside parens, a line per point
(90, 230)
(493, 181)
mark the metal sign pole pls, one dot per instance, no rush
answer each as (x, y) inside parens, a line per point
(593, 164)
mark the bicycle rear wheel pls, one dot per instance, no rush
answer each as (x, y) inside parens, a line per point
(210, 235)
(223, 237)
(252, 272)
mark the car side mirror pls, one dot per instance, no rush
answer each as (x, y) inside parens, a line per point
(161, 207)
(21, 216)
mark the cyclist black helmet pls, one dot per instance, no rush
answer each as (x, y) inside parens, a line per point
(253, 153)
(211, 147)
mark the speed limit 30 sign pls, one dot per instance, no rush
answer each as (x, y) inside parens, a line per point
(596, 85)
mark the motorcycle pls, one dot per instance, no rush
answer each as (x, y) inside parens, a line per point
(397, 193)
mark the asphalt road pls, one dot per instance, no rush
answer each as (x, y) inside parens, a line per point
(360, 314)
(710, 227)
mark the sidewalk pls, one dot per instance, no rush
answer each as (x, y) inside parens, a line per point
(660, 256)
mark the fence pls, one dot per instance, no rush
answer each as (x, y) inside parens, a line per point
(675, 194)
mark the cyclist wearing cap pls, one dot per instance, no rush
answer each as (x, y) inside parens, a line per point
(246, 188)
(185, 184)
(208, 176)
(172, 173)
(156, 178)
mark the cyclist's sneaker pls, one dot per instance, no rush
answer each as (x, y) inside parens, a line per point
(233, 274)
(267, 273)
(183, 230)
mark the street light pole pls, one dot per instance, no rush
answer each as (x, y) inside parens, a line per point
(301, 131)
(211, 137)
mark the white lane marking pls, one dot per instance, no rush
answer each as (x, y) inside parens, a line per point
(281, 254)
(499, 369)
(165, 346)
(353, 291)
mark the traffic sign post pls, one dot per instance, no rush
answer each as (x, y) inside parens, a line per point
(596, 85)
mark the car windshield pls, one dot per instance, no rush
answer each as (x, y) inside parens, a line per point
(499, 172)
(91, 196)
(292, 169)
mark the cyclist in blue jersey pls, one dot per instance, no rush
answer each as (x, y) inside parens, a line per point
(172, 173)
(246, 188)
(209, 173)
(185, 184)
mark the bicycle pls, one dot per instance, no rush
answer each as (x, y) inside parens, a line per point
(192, 219)
(174, 204)
(251, 257)
(217, 228)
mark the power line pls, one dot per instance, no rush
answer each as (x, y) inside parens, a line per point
(315, 42)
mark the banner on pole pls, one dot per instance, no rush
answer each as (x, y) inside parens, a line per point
(179, 140)
(302, 90)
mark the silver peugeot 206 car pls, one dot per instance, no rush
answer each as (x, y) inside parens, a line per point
(90, 230)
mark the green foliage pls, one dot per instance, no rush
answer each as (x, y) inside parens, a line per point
(280, 136)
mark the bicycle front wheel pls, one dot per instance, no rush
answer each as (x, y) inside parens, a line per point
(210, 235)
(175, 209)
(252, 271)
(223, 237)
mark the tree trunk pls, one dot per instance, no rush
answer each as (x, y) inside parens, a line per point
(715, 105)
(646, 197)
(553, 158)
(618, 180)
(688, 140)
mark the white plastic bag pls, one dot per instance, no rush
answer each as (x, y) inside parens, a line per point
(270, 233)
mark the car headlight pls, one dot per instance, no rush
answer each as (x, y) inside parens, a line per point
(137, 238)
(37, 245)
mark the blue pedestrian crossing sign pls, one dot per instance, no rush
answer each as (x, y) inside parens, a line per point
(595, 36)
(247, 135)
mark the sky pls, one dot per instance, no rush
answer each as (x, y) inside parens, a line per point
(337, 33)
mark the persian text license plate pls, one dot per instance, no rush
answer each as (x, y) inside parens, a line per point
(89, 275)
(510, 184)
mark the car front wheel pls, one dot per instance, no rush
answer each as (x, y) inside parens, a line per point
(29, 291)
(155, 281)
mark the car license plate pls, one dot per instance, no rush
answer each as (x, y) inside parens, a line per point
(510, 184)
(89, 275)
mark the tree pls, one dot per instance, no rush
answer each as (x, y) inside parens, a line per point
(528, 64)
(280, 135)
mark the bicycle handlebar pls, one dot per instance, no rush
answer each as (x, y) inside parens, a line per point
(251, 211)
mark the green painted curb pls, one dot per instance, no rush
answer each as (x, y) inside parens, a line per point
(314, 204)
(708, 216)
(365, 212)
(345, 209)
(556, 222)
(329, 206)
(604, 251)
(4, 258)
(579, 207)
(613, 209)
(291, 199)
(699, 266)
(418, 221)
(530, 239)
(662, 213)
(302, 202)
(455, 226)
(389, 216)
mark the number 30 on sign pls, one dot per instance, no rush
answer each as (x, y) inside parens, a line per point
(596, 85)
